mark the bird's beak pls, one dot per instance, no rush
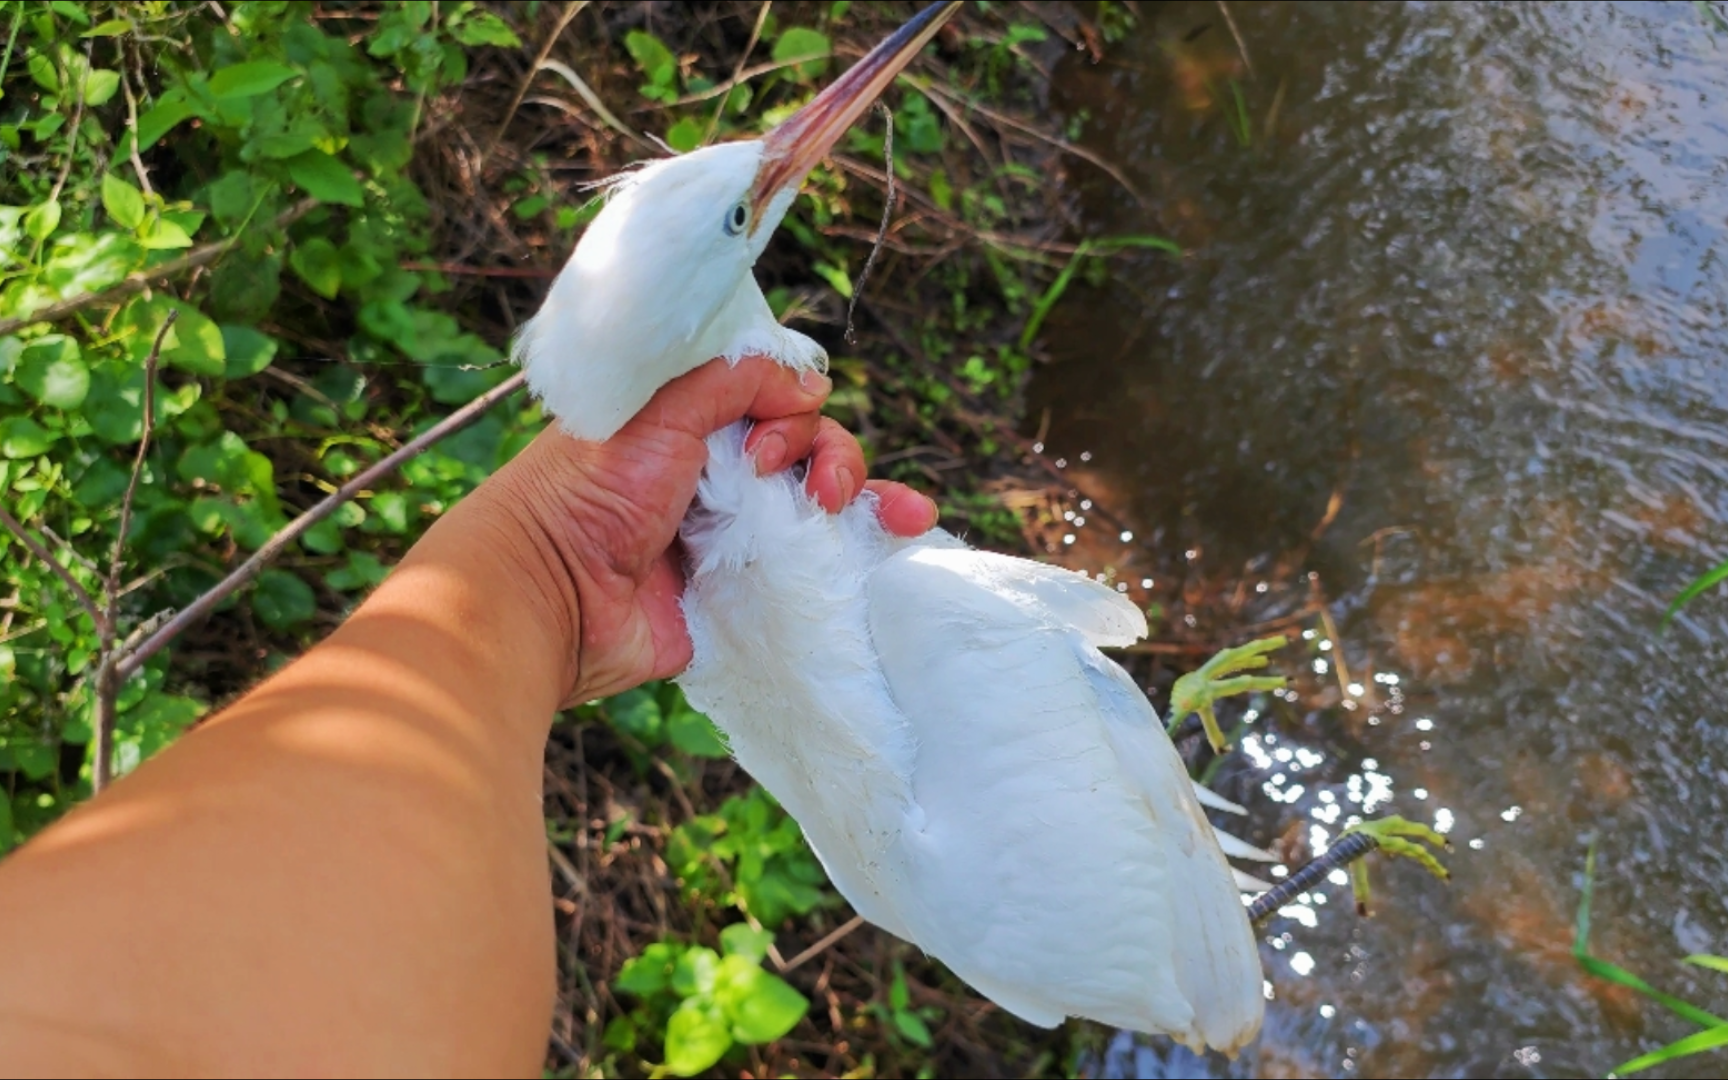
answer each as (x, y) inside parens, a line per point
(793, 148)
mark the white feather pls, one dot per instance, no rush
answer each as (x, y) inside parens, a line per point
(975, 776)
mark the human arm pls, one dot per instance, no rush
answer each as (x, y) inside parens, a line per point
(344, 872)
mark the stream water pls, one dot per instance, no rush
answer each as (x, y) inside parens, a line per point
(1450, 331)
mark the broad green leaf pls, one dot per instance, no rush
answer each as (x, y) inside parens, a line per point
(319, 265)
(648, 974)
(99, 86)
(197, 345)
(124, 203)
(22, 437)
(155, 722)
(249, 79)
(636, 713)
(695, 734)
(697, 1036)
(42, 70)
(760, 1007)
(111, 28)
(484, 28)
(326, 179)
(741, 939)
(165, 235)
(797, 42)
(248, 351)
(686, 134)
(170, 110)
(695, 971)
(362, 571)
(653, 58)
(282, 600)
(51, 369)
(913, 1029)
(1705, 960)
(41, 220)
(1696, 1043)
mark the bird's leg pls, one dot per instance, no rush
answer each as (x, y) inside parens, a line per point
(1399, 837)
(1198, 691)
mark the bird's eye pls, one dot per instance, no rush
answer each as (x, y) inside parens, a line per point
(736, 219)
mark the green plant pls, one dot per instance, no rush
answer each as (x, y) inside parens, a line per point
(701, 1002)
(1714, 1033)
(907, 1024)
(1704, 582)
(750, 854)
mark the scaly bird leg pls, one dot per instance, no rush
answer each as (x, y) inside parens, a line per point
(1198, 691)
(1393, 835)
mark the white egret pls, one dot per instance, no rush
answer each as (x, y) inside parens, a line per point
(975, 776)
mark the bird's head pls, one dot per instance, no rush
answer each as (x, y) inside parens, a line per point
(661, 281)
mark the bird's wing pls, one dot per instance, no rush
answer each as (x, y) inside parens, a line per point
(1063, 864)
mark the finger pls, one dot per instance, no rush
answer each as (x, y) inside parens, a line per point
(705, 400)
(836, 466)
(776, 444)
(901, 510)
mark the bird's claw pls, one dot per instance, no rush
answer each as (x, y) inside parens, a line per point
(1216, 679)
(1398, 837)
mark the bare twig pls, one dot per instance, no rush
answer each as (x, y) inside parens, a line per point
(79, 593)
(140, 280)
(851, 336)
(592, 100)
(1241, 46)
(131, 117)
(261, 558)
(737, 71)
(107, 684)
(571, 10)
(826, 943)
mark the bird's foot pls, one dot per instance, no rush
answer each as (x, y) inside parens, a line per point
(1217, 678)
(1401, 838)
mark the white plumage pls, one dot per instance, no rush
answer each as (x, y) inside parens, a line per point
(974, 774)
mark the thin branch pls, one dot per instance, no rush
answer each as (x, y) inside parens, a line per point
(140, 280)
(261, 558)
(737, 71)
(115, 564)
(822, 946)
(132, 117)
(570, 11)
(1241, 46)
(592, 100)
(35, 547)
(851, 335)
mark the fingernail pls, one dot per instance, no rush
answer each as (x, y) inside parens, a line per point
(935, 511)
(815, 383)
(848, 484)
(770, 453)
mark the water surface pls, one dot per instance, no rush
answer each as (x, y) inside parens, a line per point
(1451, 333)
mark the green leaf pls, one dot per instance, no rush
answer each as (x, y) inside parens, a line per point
(52, 370)
(326, 179)
(124, 203)
(1041, 310)
(484, 28)
(648, 974)
(695, 971)
(797, 42)
(249, 79)
(686, 134)
(741, 939)
(22, 437)
(1696, 1043)
(111, 28)
(697, 1036)
(1707, 580)
(40, 221)
(99, 86)
(760, 1007)
(653, 58)
(913, 1029)
(169, 111)
(319, 265)
(165, 235)
(248, 351)
(197, 344)
(636, 713)
(282, 600)
(695, 734)
(156, 721)
(1705, 960)
(42, 70)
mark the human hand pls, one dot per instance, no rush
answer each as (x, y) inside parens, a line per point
(592, 527)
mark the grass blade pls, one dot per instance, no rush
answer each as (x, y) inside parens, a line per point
(1706, 580)
(1695, 1043)
(1046, 302)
